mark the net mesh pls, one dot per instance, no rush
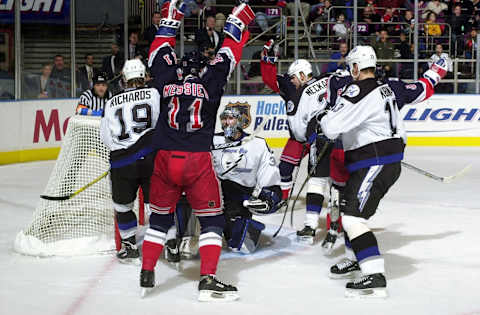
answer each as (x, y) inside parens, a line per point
(83, 224)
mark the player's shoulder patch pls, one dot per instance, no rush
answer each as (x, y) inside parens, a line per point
(357, 90)
(291, 108)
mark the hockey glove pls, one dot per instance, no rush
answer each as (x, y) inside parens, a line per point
(171, 18)
(270, 52)
(437, 71)
(235, 24)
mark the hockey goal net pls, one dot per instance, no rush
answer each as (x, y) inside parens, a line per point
(83, 224)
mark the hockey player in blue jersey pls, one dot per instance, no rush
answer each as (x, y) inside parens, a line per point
(183, 139)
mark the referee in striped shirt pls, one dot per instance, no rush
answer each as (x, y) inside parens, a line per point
(92, 102)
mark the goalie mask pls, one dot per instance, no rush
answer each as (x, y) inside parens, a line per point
(231, 122)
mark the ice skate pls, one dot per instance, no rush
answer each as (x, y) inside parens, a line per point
(147, 282)
(306, 235)
(129, 253)
(345, 269)
(330, 238)
(188, 247)
(210, 289)
(370, 286)
(172, 252)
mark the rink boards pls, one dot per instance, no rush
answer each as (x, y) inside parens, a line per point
(33, 130)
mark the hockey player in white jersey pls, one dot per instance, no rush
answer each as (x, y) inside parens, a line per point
(366, 116)
(127, 129)
(300, 115)
(250, 181)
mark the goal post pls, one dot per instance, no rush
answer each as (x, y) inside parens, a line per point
(83, 224)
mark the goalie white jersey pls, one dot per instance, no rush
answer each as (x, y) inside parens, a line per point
(127, 127)
(247, 164)
(310, 103)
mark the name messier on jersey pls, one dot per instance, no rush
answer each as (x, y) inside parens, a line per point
(190, 89)
(133, 96)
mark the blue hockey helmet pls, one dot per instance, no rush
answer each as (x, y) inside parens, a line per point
(193, 63)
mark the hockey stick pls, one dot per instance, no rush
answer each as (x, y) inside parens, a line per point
(446, 179)
(319, 157)
(62, 198)
(290, 194)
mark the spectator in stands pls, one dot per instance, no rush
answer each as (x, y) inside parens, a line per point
(134, 49)
(389, 17)
(208, 34)
(151, 31)
(384, 49)
(35, 86)
(431, 27)
(195, 7)
(59, 84)
(365, 27)
(304, 6)
(340, 28)
(340, 56)
(219, 22)
(271, 15)
(465, 5)
(112, 66)
(407, 28)
(459, 26)
(406, 52)
(439, 54)
(86, 73)
(436, 7)
(471, 45)
(319, 13)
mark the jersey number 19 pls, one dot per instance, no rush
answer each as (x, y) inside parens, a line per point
(141, 120)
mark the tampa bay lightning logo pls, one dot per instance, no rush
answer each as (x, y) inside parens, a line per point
(233, 161)
(290, 106)
(352, 91)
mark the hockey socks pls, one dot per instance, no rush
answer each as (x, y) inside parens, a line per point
(153, 244)
(210, 247)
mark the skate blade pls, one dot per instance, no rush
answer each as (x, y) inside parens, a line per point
(213, 296)
(144, 292)
(327, 248)
(307, 240)
(130, 261)
(377, 293)
(351, 275)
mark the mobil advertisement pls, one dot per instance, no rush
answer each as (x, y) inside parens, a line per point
(35, 129)
(441, 120)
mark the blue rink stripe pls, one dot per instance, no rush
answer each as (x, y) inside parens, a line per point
(127, 226)
(314, 208)
(368, 252)
(379, 160)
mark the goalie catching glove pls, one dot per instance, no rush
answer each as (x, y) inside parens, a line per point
(241, 16)
(437, 71)
(266, 203)
(171, 18)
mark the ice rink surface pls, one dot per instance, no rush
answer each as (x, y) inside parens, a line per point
(429, 233)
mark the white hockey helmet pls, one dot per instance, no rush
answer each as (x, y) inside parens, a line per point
(133, 69)
(363, 56)
(300, 65)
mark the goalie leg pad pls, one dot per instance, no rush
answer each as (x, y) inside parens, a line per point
(245, 235)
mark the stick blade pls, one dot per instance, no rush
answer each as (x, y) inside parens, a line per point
(449, 179)
(54, 198)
